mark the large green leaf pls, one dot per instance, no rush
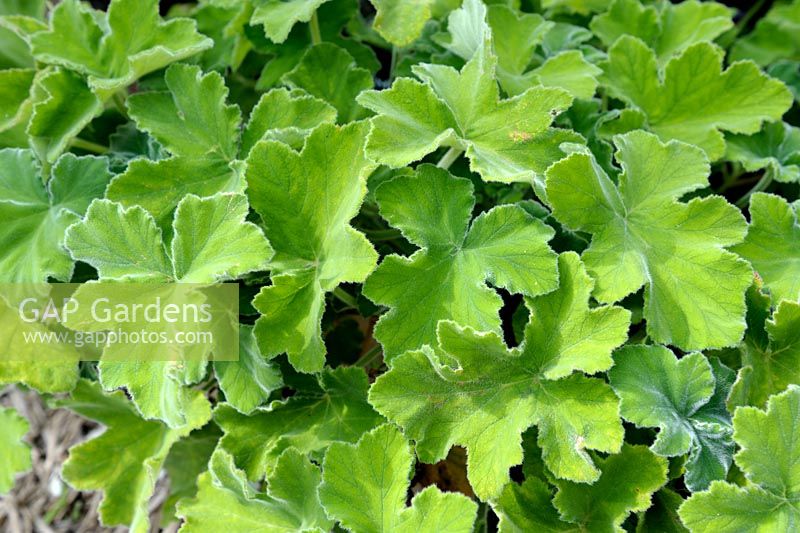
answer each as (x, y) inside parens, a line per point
(627, 481)
(642, 235)
(693, 99)
(667, 28)
(36, 211)
(776, 148)
(306, 201)
(769, 456)
(375, 472)
(475, 392)
(771, 245)
(125, 460)
(116, 48)
(506, 140)
(504, 246)
(685, 399)
(776, 36)
(335, 410)
(226, 502)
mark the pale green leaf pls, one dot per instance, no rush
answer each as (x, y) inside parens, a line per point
(693, 99)
(401, 21)
(248, 382)
(342, 82)
(505, 140)
(685, 399)
(335, 410)
(36, 214)
(62, 106)
(279, 16)
(772, 245)
(776, 149)
(776, 36)
(503, 246)
(643, 235)
(226, 502)
(16, 456)
(667, 28)
(306, 201)
(770, 356)
(476, 393)
(116, 48)
(125, 460)
(769, 456)
(375, 472)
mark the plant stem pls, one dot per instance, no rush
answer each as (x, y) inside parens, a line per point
(89, 146)
(449, 157)
(748, 16)
(763, 183)
(382, 234)
(345, 297)
(313, 25)
(119, 103)
(366, 360)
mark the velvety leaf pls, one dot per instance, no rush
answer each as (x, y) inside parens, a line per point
(306, 201)
(505, 140)
(668, 29)
(476, 393)
(693, 99)
(342, 82)
(769, 456)
(36, 212)
(775, 36)
(776, 148)
(659, 390)
(225, 500)
(16, 457)
(279, 16)
(642, 235)
(125, 460)
(503, 246)
(116, 48)
(375, 471)
(401, 21)
(771, 245)
(335, 410)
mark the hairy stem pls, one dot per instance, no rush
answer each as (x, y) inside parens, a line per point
(313, 25)
(449, 157)
(89, 146)
(763, 183)
(345, 297)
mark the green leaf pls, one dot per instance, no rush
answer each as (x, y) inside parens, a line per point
(36, 212)
(15, 88)
(226, 502)
(627, 481)
(125, 460)
(505, 140)
(116, 48)
(662, 516)
(62, 106)
(770, 356)
(771, 245)
(769, 456)
(306, 201)
(375, 472)
(776, 148)
(685, 399)
(187, 459)
(503, 246)
(668, 29)
(515, 37)
(342, 82)
(16, 457)
(642, 235)
(401, 21)
(581, 7)
(774, 38)
(279, 16)
(335, 410)
(476, 393)
(286, 116)
(693, 99)
(248, 382)
(212, 242)
(191, 120)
